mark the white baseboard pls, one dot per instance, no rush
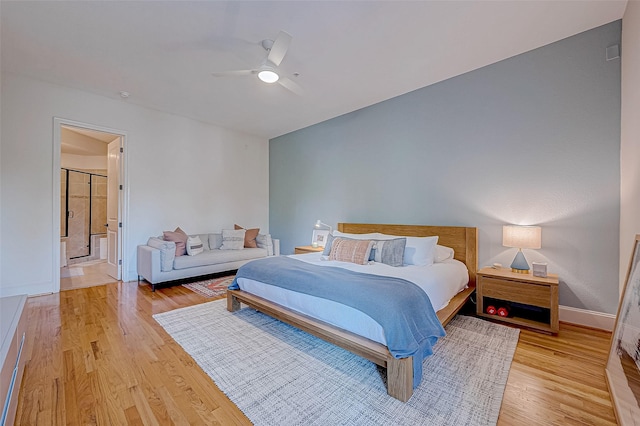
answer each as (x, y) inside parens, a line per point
(587, 318)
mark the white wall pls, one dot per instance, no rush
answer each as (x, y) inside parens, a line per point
(629, 135)
(180, 172)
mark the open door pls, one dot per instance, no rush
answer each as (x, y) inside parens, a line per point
(114, 227)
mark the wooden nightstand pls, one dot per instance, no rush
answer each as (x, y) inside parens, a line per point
(533, 301)
(307, 249)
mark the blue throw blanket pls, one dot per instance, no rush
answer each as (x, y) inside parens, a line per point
(403, 309)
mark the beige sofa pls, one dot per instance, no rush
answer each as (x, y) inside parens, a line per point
(157, 262)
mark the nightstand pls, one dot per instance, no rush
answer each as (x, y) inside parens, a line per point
(307, 249)
(533, 301)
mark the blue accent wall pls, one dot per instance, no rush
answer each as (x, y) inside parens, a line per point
(531, 140)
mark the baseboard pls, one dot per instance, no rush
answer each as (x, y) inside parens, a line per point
(587, 318)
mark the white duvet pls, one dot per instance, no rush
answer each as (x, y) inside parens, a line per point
(441, 281)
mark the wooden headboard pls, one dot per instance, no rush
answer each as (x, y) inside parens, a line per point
(463, 240)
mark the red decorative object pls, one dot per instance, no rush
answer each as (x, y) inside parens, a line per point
(491, 310)
(503, 311)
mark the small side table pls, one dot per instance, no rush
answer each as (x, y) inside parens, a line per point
(534, 299)
(307, 249)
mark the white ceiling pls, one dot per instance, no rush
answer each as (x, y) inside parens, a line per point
(349, 54)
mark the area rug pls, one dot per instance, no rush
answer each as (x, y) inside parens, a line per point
(211, 288)
(278, 375)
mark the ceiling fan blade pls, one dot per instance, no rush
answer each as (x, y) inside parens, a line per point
(233, 73)
(291, 85)
(279, 48)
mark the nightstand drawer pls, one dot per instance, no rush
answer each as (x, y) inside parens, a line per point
(519, 292)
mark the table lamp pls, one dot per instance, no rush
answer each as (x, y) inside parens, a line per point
(528, 237)
(320, 224)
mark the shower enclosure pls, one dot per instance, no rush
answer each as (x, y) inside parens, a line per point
(83, 215)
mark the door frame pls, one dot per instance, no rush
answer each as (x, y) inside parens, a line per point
(123, 200)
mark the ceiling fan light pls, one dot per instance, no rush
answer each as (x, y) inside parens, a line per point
(268, 76)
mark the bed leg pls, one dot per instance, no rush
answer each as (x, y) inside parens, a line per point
(400, 378)
(233, 304)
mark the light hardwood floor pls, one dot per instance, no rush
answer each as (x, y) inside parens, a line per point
(93, 273)
(98, 357)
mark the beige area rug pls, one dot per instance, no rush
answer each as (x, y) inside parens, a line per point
(278, 375)
(211, 288)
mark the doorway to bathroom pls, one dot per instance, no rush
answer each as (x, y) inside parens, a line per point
(89, 202)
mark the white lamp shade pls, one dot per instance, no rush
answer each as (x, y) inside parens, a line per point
(527, 237)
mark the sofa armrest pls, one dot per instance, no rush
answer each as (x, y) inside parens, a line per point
(148, 263)
(276, 247)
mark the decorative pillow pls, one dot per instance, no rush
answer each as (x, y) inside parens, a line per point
(443, 253)
(265, 241)
(167, 252)
(390, 252)
(354, 251)
(338, 234)
(180, 238)
(215, 241)
(249, 236)
(232, 239)
(328, 244)
(194, 246)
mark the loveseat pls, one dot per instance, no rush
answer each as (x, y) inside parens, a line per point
(158, 263)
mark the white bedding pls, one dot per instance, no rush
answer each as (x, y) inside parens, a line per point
(441, 281)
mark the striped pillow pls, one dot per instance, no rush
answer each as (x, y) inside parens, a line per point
(354, 251)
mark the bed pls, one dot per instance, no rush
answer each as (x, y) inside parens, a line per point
(400, 371)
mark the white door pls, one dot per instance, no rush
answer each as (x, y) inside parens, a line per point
(114, 264)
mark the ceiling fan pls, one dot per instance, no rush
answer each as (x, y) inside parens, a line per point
(268, 69)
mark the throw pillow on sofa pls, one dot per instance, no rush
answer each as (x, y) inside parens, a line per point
(194, 246)
(264, 241)
(249, 236)
(167, 252)
(232, 239)
(180, 238)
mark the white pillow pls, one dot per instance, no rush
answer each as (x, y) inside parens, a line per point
(194, 245)
(232, 239)
(443, 253)
(420, 251)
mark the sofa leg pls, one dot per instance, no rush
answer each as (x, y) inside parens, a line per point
(153, 287)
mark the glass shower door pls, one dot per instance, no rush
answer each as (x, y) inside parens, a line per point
(78, 214)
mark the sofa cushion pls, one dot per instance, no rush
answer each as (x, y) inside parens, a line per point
(167, 252)
(232, 239)
(180, 238)
(217, 256)
(215, 241)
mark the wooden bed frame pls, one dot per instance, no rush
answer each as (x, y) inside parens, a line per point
(463, 240)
